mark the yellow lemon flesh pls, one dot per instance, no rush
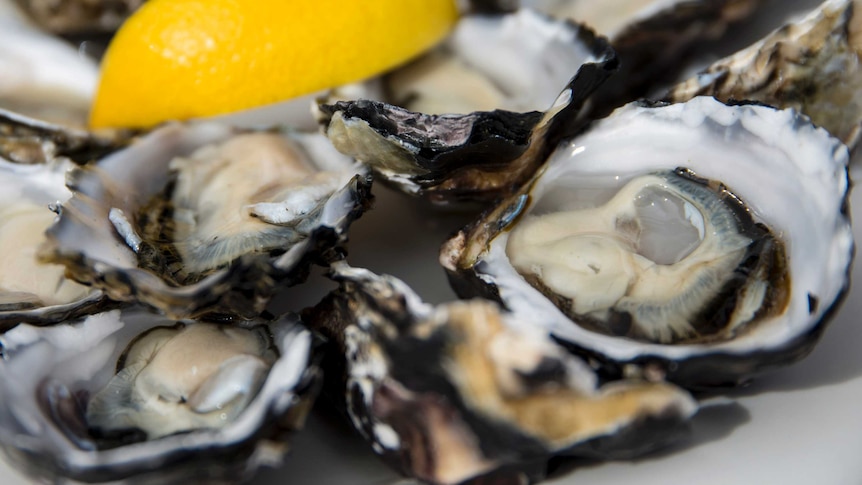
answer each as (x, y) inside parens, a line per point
(180, 59)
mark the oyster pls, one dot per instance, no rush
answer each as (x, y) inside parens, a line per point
(697, 241)
(653, 38)
(30, 290)
(154, 392)
(29, 140)
(812, 65)
(42, 76)
(485, 64)
(45, 91)
(451, 158)
(202, 218)
(262, 374)
(464, 392)
(69, 17)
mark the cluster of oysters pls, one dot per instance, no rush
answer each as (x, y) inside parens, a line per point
(624, 253)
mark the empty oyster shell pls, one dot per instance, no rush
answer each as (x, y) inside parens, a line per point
(48, 375)
(202, 218)
(812, 65)
(458, 392)
(699, 241)
(452, 158)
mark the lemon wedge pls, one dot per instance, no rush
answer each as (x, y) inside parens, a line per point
(180, 59)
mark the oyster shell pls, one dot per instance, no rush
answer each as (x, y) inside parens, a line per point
(42, 76)
(452, 158)
(487, 64)
(67, 17)
(30, 290)
(29, 140)
(46, 87)
(464, 392)
(47, 376)
(635, 278)
(653, 38)
(200, 218)
(812, 65)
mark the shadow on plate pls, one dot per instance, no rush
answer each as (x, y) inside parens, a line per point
(714, 422)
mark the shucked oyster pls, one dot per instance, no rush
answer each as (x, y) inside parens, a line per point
(465, 392)
(204, 218)
(31, 290)
(653, 38)
(157, 392)
(812, 66)
(515, 62)
(190, 401)
(453, 157)
(702, 241)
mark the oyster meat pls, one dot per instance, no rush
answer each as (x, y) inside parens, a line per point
(700, 241)
(187, 401)
(156, 391)
(31, 290)
(205, 217)
(486, 64)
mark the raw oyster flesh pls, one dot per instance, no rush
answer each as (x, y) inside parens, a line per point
(202, 218)
(475, 156)
(463, 392)
(812, 65)
(187, 401)
(694, 240)
(31, 290)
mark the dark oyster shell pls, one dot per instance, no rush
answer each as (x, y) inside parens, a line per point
(480, 156)
(463, 393)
